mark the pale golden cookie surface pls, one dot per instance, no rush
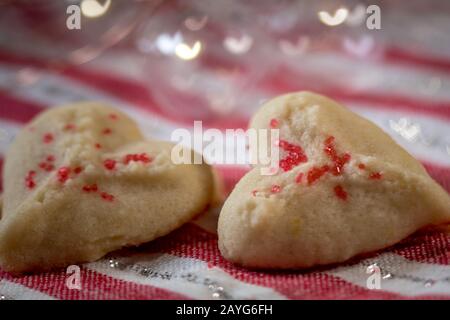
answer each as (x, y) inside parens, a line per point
(81, 181)
(344, 188)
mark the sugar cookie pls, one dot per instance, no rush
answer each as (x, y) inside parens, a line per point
(81, 181)
(344, 188)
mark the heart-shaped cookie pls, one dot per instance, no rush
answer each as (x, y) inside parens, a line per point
(81, 181)
(344, 188)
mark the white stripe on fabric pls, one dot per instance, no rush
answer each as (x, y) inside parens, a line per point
(186, 276)
(378, 78)
(425, 136)
(399, 275)
(14, 291)
(54, 90)
(8, 131)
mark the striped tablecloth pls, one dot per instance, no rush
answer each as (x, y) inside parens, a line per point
(405, 92)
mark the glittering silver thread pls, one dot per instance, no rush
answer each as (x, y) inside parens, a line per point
(217, 290)
(389, 275)
(5, 297)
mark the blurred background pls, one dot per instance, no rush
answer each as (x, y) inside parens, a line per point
(168, 63)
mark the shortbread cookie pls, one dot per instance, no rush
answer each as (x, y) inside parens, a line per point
(344, 188)
(81, 181)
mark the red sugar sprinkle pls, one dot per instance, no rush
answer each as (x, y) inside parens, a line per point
(77, 170)
(107, 196)
(316, 172)
(338, 161)
(254, 192)
(375, 176)
(63, 174)
(109, 164)
(107, 131)
(361, 166)
(29, 181)
(299, 178)
(69, 126)
(275, 188)
(340, 192)
(98, 146)
(129, 157)
(30, 184)
(46, 166)
(295, 155)
(143, 157)
(47, 138)
(94, 188)
(113, 116)
(274, 123)
(90, 188)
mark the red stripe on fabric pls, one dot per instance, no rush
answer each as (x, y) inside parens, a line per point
(389, 54)
(285, 80)
(94, 286)
(129, 90)
(17, 110)
(400, 56)
(230, 175)
(279, 82)
(193, 242)
(136, 93)
(439, 173)
(430, 246)
(1, 176)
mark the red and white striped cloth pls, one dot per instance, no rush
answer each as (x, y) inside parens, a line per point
(187, 263)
